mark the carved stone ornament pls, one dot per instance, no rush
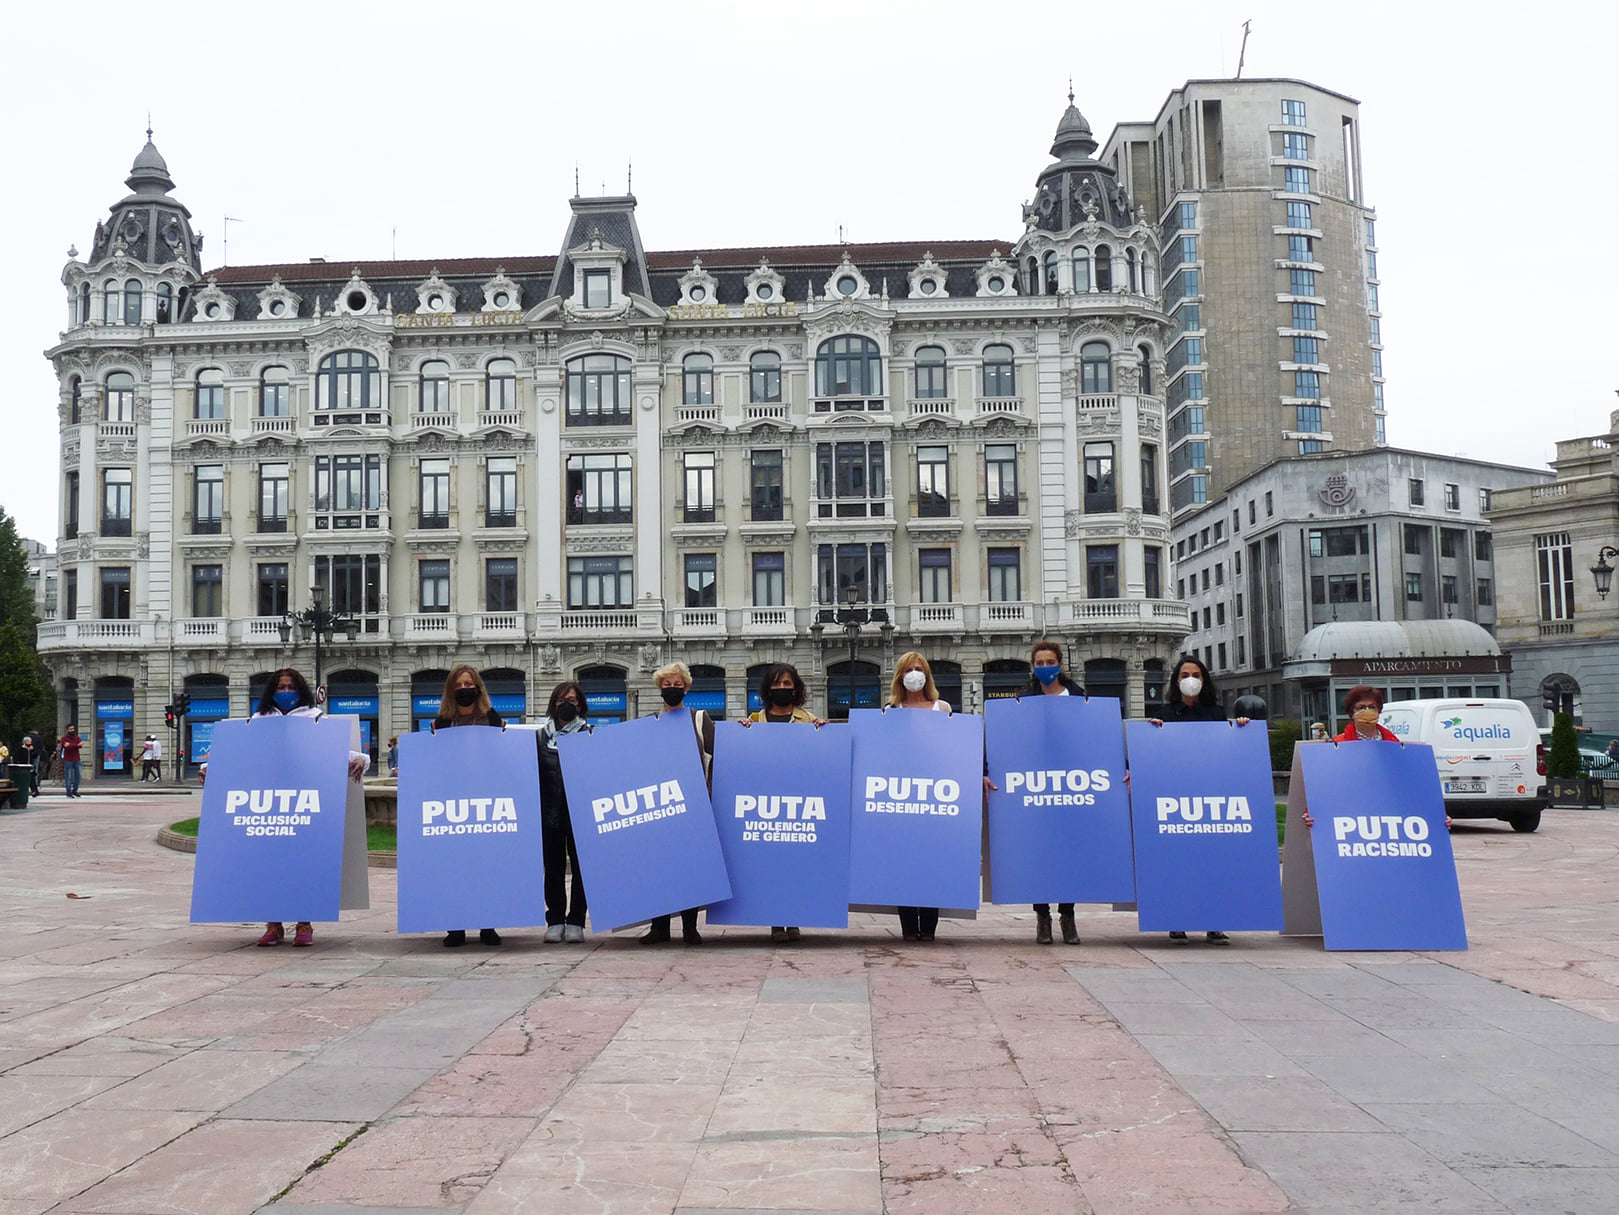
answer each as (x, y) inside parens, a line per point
(698, 286)
(333, 335)
(143, 410)
(1337, 493)
(1127, 373)
(846, 282)
(355, 297)
(731, 353)
(609, 545)
(211, 304)
(1098, 421)
(765, 286)
(1072, 522)
(846, 316)
(501, 294)
(1132, 521)
(434, 295)
(70, 452)
(1149, 425)
(1001, 428)
(467, 361)
(277, 303)
(996, 277)
(143, 544)
(650, 658)
(927, 280)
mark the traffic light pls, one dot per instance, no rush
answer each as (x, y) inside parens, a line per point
(168, 716)
(182, 704)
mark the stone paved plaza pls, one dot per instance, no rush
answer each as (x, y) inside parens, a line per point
(149, 1067)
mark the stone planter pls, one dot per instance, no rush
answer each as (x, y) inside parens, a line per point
(381, 802)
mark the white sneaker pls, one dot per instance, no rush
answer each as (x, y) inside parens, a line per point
(553, 934)
(573, 933)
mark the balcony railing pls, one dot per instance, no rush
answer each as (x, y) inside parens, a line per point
(697, 413)
(1098, 401)
(272, 426)
(493, 625)
(602, 622)
(935, 617)
(429, 419)
(94, 635)
(999, 405)
(438, 625)
(849, 405)
(755, 410)
(771, 621)
(262, 630)
(212, 629)
(930, 406)
(512, 419)
(995, 617)
(697, 621)
(207, 426)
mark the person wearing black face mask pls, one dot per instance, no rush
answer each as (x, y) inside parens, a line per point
(466, 703)
(782, 690)
(564, 919)
(673, 682)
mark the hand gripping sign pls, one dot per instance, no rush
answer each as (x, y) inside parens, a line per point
(641, 819)
(1205, 827)
(781, 804)
(271, 838)
(469, 830)
(1376, 870)
(916, 808)
(1059, 826)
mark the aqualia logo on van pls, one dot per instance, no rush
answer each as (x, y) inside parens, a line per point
(1476, 733)
(1401, 729)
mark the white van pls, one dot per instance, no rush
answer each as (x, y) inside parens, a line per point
(1487, 751)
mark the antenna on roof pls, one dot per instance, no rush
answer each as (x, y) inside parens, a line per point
(225, 240)
(840, 234)
(576, 179)
(395, 243)
(1242, 53)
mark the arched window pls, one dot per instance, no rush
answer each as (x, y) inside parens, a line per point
(77, 400)
(599, 390)
(84, 303)
(932, 379)
(274, 393)
(132, 302)
(1146, 370)
(111, 307)
(764, 377)
(500, 386)
(1095, 368)
(165, 303)
(1130, 269)
(1051, 274)
(697, 379)
(120, 400)
(349, 379)
(848, 366)
(1082, 269)
(435, 387)
(1032, 277)
(210, 394)
(1000, 376)
(1104, 268)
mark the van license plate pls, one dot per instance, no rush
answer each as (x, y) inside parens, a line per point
(1464, 786)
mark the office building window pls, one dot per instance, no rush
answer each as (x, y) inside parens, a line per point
(1152, 569)
(857, 569)
(764, 377)
(1296, 179)
(599, 489)
(347, 484)
(1149, 478)
(1414, 491)
(352, 584)
(1293, 113)
(1453, 496)
(500, 485)
(1413, 540)
(1298, 215)
(1447, 589)
(765, 476)
(435, 386)
(600, 582)
(1483, 548)
(1483, 501)
(1300, 248)
(702, 573)
(1104, 264)
(1005, 575)
(1305, 316)
(272, 588)
(210, 394)
(1100, 494)
(1295, 145)
(1306, 350)
(850, 479)
(1309, 418)
(500, 584)
(1000, 374)
(932, 376)
(1082, 269)
(117, 502)
(697, 379)
(1301, 282)
(1554, 565)
(207, 590)
(435, 586)
(1450, 542)
(1307, 384)
(598, 390)
(435, 494)
(208, 500)
(934, 570)
(933, 480)
(1413, 587)
(132, 302)
(115, 592)
(769, 579)
(1000, 479)
(275, 399)
(699, 470)
(1485, 592)
(1102, 571)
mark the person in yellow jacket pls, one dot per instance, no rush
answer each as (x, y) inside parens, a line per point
(782, 690)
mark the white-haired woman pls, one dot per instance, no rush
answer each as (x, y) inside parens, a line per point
(673, 682)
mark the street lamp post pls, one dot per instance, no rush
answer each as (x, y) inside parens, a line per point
(1602, 572)
(318, 623)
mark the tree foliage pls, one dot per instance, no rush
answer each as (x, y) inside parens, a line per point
(1563, 759)
(25, 687)
(1283, 734)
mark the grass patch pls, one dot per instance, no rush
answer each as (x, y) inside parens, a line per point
(377, 839)
(1281, 823)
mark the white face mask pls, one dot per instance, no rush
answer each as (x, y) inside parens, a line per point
(1191, 685)
(914, 681)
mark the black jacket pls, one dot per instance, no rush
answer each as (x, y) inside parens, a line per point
(445, 723)
(1179, 710)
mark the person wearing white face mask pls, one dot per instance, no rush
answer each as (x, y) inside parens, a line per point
(1195, 699)
(913, 688)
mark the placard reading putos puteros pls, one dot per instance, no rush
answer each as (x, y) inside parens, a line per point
(270, 835)
(470, 854)
(781, 804)
(1205, 827)
(1382, 867)
(1059, 826)
(916, 808)
(641, 819)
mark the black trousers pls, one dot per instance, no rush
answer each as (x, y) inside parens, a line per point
(1062, 908)
(558, 847)
(918, 921)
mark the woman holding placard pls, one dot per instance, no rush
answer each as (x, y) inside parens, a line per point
(287, 694)
(565, 714)
(673, 682)
(1195, 699)
(1047, 678)
(466, 703)
(1364, 706)
(913, 688)
(783, 693)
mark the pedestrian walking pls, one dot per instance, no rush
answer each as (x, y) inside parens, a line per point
(567, 712)
(72, 765)
(148, 758)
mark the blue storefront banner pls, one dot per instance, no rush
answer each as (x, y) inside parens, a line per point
(202, 741)
(712, 703)
(470, 854)
(1059, 826)
(510, 707)
(606, 708)
(642, 820)
(1384, 869)
(270, 839)
(426, 706)
(781, 805)
(112, 746)
(916, 798)
(1203, 806)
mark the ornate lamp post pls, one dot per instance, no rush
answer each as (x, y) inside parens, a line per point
(318, 623)
(1602, 572)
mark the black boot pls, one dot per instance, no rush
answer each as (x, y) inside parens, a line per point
(1042, 925)
(658, 933)
(1070, 934)
(688, 928)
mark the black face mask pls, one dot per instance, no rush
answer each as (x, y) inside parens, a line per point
(466, 697)
(782, 697)
(672, 696)
(566, 712)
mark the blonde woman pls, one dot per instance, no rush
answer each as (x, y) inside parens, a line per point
(913, 688)
(466, 703)
(673, 682)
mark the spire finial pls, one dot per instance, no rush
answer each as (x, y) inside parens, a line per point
(1070, 90)
(148, 126)
(629, 176)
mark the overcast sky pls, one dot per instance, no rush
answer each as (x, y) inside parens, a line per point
(1488, 149)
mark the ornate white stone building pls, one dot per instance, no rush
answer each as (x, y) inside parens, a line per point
(582, 466)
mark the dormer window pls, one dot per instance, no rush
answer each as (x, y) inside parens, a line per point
(598, 289)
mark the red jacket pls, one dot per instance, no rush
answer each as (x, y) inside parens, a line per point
(1349, 734)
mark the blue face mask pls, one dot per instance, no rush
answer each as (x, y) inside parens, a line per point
(286, 700)
(1047, 675)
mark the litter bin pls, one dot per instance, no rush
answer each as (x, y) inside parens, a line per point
(21, 776)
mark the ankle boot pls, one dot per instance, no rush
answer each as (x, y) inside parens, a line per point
(688, 928)
(1070, 934)
(1042, 925)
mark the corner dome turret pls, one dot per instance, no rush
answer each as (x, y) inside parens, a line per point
(148, 226)
(1075, 187)
(1073, 140)
(150, 172)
